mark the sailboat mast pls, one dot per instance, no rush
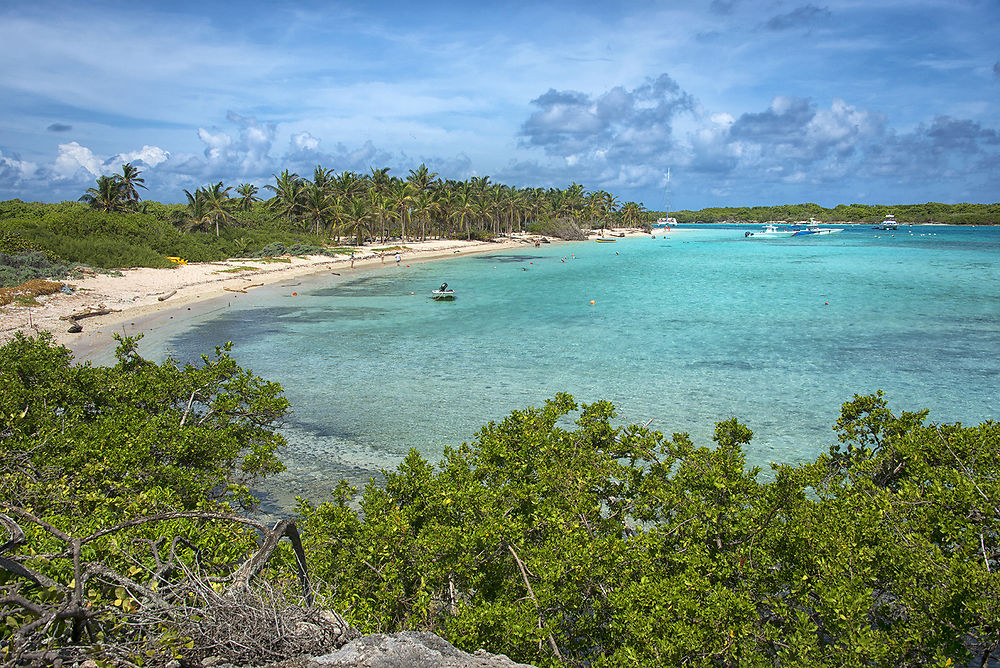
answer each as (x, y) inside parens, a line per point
(668, 193)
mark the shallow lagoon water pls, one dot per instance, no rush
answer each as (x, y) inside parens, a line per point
(686, 329)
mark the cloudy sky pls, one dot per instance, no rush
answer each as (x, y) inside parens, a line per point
(746, 102)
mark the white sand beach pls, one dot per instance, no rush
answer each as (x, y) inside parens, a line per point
(141, 297)
(134, 294)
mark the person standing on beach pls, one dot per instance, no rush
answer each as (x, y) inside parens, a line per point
(352, 260)
(382, 255)
(397, 259)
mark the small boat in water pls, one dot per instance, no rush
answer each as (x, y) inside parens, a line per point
(888, 224)
(770, 232)
(443, 294)
(604, 240)
(811, 227)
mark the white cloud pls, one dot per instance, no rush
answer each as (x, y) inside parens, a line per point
(303, 141)
(216, 144)
(72, 157)
(13, 170)
(151, 156)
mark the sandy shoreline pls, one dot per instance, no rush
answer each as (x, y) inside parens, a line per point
(142, 298)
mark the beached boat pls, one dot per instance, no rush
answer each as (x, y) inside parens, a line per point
(443, 294)
(605, 240)
(809, 227)
(888, 224)
(770, 232)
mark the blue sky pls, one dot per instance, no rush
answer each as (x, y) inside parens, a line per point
(746, 102)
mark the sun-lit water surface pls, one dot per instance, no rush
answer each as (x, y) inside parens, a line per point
(686, 329)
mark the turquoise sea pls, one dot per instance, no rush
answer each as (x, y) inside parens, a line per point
(685, 330)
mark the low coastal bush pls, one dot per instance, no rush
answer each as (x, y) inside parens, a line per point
(16, 268)
(77, 234)
(561, 228)
(610, 545)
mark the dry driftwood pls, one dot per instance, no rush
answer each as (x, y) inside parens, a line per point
(166, 296)
(164, 599)
(89, 313)
(234, 290)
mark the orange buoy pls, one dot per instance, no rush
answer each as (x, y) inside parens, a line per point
(592, 302)
(295, 294)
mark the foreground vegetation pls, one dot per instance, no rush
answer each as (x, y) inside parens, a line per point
(591, 544)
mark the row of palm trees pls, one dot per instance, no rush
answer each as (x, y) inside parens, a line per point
(379, 206)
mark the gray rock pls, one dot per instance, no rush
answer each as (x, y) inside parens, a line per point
(409, 649)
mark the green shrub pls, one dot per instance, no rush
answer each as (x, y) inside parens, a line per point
(16, 268)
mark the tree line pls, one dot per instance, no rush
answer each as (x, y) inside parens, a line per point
(377, 205)
(931, 212)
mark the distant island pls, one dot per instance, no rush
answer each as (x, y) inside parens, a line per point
(929, 213)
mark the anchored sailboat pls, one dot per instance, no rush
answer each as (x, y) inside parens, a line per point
(664, 224)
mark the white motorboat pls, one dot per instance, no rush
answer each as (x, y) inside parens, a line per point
(811, 227)
(770, 232)
(889, 223)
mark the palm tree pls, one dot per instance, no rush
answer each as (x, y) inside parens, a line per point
(424, 206)
(248, 195)
(631, 213)
(107, 196)
(402, 199)
(380, 178)
(379, 208)
(463, 208)
(358, 217)
(323, 178)
(317, 206)
(194, 214)
(217, 205)
(349, 185)
(421, 178)
(129, 179)
(573, 202)
(288, 189)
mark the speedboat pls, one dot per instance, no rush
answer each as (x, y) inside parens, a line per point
(770, 232)
(811, 227)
